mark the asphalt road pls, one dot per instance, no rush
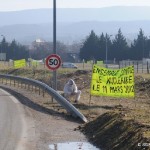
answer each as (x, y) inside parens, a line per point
(13, 125)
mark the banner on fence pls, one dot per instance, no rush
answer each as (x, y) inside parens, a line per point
(90, 62)
(115, 83)
(19, 63)
(100, 63)
(35, 63)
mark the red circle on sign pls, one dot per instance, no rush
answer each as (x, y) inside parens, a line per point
(53, 61)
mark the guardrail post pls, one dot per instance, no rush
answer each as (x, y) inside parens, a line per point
(14, 83)
(32, 88)
(43, 92)
(39, 91)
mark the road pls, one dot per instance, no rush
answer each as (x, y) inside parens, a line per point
(14, 130)
(40, 126)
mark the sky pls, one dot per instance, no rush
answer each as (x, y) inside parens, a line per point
(13, 5)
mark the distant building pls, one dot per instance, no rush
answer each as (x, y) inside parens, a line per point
(36, 43)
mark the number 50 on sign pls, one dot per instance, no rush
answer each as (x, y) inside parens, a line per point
(53, 61)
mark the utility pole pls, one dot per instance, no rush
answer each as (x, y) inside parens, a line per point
(106, 60)
(54, 43)
(106, 51)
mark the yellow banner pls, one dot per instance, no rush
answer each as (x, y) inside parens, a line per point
(89, 62)
(115, 83)
(19, 63)
(100, 63)
(35, 63)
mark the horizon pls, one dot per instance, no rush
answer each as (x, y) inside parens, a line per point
(70, 8)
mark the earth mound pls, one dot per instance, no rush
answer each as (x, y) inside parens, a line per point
(110, 132)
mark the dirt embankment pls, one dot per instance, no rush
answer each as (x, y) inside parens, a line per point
(111, 132)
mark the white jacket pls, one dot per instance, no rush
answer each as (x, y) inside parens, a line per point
(70, 87)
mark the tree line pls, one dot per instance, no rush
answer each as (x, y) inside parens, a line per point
(95, 47)
(16, 51)
(13, 50)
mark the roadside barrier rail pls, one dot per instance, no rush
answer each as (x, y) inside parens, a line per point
(59, 98)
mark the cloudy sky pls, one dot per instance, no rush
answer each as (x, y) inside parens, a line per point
(12, 5)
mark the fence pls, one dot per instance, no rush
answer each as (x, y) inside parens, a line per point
(139, 66)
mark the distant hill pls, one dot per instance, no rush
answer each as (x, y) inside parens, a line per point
(73, 24)
(75, 15)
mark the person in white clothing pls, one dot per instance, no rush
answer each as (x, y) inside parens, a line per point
(70, 89)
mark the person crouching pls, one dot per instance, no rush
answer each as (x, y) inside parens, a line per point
(71, 89)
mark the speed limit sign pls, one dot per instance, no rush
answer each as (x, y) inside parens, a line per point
(53, 61)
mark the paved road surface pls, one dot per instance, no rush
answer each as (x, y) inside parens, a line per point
(13, 124)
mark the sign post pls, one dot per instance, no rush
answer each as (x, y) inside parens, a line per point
(53, 62)
(54, 42)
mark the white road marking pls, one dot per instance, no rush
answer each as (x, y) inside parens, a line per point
(11, 97)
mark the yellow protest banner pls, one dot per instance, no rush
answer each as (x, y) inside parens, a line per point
(19, 63)
(115, 83)
(89, 62)
(35, 63)
(100, 63)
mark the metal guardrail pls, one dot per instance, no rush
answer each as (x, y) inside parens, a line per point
(60, 99)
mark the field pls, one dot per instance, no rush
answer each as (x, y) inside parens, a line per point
(122, 115)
